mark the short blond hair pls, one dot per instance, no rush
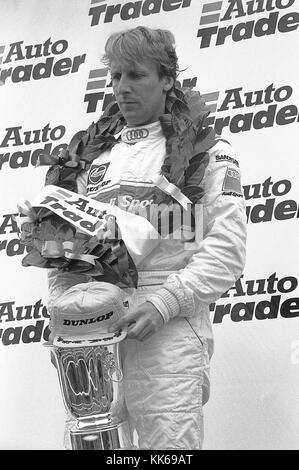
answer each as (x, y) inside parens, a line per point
(139, 44)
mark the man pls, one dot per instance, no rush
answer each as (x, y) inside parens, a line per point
(162, 152)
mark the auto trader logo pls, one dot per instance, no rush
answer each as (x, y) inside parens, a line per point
(22, 62)
(240, 110)
(125, 11)
(210, 13)
(238, 20)
(96, 90)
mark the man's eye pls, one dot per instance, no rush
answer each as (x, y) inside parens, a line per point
(115, 76)
(136, 75)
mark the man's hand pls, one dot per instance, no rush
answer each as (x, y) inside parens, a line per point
(142, 322)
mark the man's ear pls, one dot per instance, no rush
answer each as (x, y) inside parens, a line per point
(168, 83)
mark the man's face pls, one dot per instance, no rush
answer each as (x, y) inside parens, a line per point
(139, 91)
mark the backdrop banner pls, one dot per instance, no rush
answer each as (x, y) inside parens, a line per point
(242, 56)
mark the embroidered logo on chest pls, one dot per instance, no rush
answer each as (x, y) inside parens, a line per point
(134, 135)
(97, 173)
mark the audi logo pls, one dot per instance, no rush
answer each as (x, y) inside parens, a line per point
(136, 134)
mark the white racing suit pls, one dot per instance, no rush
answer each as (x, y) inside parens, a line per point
(167, 376)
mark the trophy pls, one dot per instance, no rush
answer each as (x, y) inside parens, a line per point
(87, 359)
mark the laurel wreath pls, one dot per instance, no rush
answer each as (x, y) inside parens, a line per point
(188, 140)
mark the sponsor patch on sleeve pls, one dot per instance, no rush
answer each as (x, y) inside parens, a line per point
(226, 158)
(232, 183)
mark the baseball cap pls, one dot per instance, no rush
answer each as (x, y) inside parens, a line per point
(82, 315)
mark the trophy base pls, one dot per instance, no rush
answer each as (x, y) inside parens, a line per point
(114, 438)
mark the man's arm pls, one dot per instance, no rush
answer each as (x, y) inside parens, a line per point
(220, 258)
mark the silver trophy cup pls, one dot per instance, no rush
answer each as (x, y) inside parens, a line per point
(88, 363)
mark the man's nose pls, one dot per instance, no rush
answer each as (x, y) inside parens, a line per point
(124, 85)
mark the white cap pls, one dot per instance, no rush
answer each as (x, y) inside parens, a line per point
(83, 314)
